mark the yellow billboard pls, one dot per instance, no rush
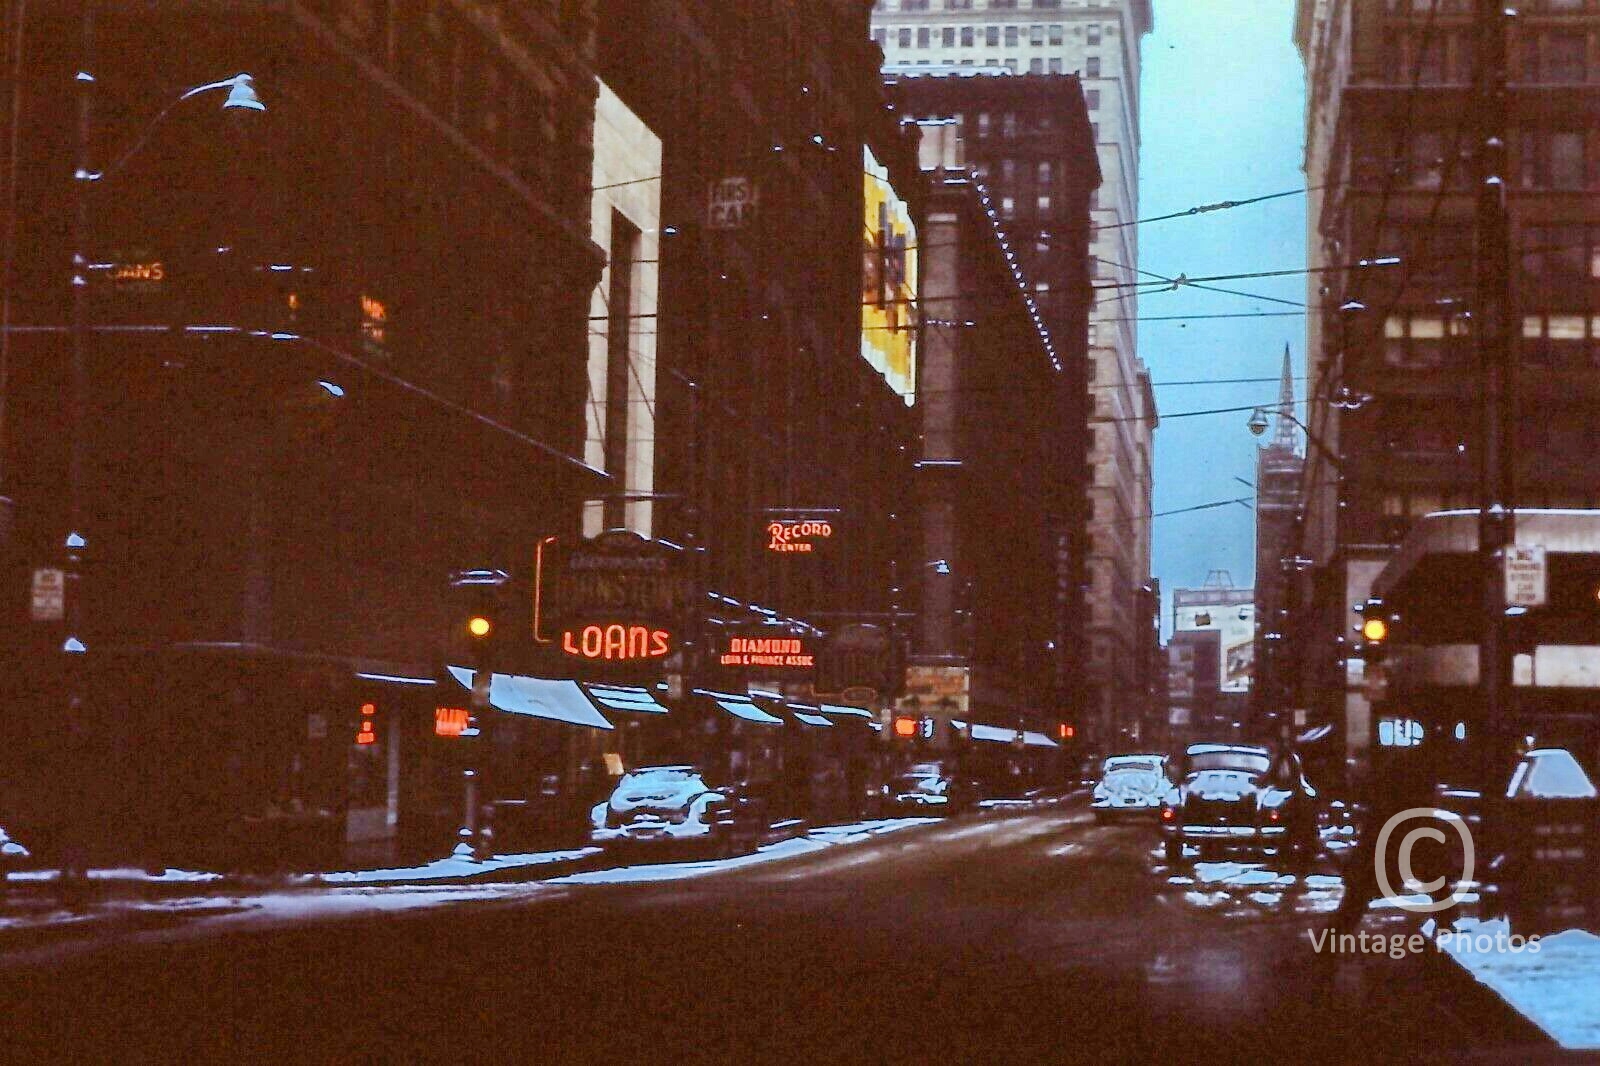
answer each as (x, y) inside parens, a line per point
(888, 283)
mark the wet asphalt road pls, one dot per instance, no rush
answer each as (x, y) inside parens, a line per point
(1034, 936)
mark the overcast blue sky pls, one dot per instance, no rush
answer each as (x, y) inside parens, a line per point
(1222, 117)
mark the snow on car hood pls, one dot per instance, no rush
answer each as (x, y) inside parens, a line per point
(1140, 781)
(656, 794)
(1226, 785)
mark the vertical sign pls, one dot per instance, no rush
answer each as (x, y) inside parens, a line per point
(1527, 579)
(49, 600)
(732, 204)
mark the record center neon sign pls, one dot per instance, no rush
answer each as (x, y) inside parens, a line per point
(616, 642)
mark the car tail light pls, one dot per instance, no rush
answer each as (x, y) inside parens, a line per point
(1168, 814)
(1273, 815)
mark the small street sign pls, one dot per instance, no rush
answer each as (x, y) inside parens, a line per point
(1526, 576)
(49, 601)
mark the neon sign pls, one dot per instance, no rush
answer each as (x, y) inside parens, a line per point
(768, 651)
(616, 642)
(450, 721)
(153, 271)
(368, 734)
(797, 535)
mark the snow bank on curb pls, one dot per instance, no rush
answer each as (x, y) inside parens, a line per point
(816, 840)
(1554, 987)
(454, 866)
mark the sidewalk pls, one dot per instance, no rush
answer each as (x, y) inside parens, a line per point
(1556, 987)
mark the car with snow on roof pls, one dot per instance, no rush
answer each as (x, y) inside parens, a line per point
(677, 806)
(1231, 796)
(1130, 785)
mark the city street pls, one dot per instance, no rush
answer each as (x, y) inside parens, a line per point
(1013, 935)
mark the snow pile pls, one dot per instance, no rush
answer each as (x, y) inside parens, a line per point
(454, 866)
(123, 873)
(10, 850)
(1554, 987)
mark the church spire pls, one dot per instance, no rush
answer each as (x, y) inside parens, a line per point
(1284, 438)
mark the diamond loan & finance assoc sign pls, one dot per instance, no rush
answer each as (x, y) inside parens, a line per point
(765, 653)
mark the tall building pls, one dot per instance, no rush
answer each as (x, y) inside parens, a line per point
(1278, 470)
(784, 360)
(331, 352)
(994, 475)
(1100, 43)
(1039, 150)
(1394, 390)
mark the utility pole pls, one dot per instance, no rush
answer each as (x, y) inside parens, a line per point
(1491, 313)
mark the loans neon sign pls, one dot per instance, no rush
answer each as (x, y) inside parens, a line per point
(616, 642)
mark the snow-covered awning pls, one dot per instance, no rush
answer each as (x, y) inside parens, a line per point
(843, 711)
(997, 735)
(633, 698)
(537, 697)
(740, 706)
(811, 719)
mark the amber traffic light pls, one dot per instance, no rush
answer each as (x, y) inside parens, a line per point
(479, 626)
(1375, 630)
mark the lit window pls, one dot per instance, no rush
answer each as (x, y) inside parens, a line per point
(1044, 205)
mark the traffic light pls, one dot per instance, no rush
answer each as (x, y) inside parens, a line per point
(905, 727)
(477, 620)
(367, 724)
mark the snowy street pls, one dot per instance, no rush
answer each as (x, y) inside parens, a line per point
(1013, 935)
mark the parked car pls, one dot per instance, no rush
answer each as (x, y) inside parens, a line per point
(660, 806)
(1130, 785)
(930, 788)
(1240, 796)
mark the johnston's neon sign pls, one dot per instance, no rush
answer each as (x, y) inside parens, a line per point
(617, 642)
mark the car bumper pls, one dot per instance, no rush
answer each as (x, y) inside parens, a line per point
(651, 833)
(1194, 833)
(1130, 808)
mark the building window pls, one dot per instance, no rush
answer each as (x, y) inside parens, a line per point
(1564, 57)
(1003, 5)
(948, 37)
(880, 37)
(1035, 66)
(1055, 65)
(1426, 152)
(991, 36)
(1091, 99)
(1093, 34)
(1008, 172)
(1047, 5)
(1008, 127)
(922, 37)
(1091, 66)
(1036, 35)
(983, 124)
(1094, 132)
(905, 36)
(1551, 159)
(958, 5)
(1046, 173)
(1092, 266)
(1093, 338)
(1012, 35)
(1044, 205)
(1560, 340)
(1011, 65)
(1425, 342)
(966, 37)
(1057, 33)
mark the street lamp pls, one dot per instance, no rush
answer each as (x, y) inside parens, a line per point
(1258, 425)
(241, 97)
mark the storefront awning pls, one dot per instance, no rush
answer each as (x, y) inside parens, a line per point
(740, 706)
(998, 735)
(635, 699)
(843, 711)
(537, 697)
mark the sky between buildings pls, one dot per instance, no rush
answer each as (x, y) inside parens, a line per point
(1222, 119)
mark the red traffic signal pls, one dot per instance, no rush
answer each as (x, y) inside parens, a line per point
(905, 727)
(368, 734)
